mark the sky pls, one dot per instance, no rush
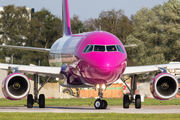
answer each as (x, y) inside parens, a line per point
(85, 9)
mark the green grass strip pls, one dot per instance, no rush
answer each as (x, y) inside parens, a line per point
(115, 88)
(86, 116)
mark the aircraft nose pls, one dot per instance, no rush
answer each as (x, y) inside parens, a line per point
(97, 75)
(108, 60)
(103, 68)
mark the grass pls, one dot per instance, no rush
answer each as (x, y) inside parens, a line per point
(86, 102)
(87, 116)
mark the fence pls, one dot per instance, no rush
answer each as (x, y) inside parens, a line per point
(114, 91)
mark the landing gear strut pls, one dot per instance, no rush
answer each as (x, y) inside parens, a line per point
(135, 99)
(99, 103)
(41, 100)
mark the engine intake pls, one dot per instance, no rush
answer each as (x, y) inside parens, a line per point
(164, 86)
(16, 86)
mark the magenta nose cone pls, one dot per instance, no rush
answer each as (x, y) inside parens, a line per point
(96, 75)
(103, 69)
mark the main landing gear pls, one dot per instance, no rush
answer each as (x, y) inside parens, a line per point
(41, 100)
(99, 103)
(135, 99)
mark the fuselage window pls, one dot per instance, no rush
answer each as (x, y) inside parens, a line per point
(111, 48)
(99, 48)
(85, 49)
(120, 49)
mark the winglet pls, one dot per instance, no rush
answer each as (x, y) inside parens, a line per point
(66, 18)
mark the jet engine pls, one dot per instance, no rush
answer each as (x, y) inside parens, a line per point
(16, 86)
(164, 86)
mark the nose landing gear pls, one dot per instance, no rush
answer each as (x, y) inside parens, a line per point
(99, 103)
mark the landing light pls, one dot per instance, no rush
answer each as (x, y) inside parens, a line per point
(57, 78)
(103, 86)
(97, 86)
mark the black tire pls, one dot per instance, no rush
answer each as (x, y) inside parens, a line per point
(105, 104)
(126, 101)
(30, 101)
(99, 104)
(68, 91)
(138, 102)
(41, 101)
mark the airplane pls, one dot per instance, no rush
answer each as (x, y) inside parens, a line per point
(94, 60)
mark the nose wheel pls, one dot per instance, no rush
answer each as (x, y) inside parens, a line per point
(99, 103)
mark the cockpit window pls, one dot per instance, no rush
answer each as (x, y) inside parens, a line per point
(85, 49)
(120, 49)
(100, 48)
(90, 48)
(103, 48)
(111, 48)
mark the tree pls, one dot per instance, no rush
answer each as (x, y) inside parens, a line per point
(159, 30)
(139, 55)
(76, 25)
(14, 24)
(40, 30)
(91, 24)
(15, 21)
(45, 29)
(112, 21)
(18, 27)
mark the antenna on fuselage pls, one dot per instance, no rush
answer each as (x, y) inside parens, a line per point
(66, 18)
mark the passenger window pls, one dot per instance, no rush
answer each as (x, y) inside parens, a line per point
(111, 48)
(99, 48)
(85, 49)
(90, 48)
(120, 49)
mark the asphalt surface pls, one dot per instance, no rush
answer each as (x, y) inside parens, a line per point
(90, 109)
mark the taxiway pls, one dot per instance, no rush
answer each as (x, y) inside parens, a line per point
(91, 109)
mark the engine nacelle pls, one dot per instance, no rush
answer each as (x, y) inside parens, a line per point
(16, 86)
(164, 86)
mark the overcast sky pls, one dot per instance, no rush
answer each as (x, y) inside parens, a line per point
(85, 8)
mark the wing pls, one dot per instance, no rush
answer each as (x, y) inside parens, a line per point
(150, 68)
(133, 45)
(26, 48)
(40, 70)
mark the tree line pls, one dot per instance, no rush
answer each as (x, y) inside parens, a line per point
(155, 31)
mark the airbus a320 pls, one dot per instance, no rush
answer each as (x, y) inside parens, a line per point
(94, 60)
